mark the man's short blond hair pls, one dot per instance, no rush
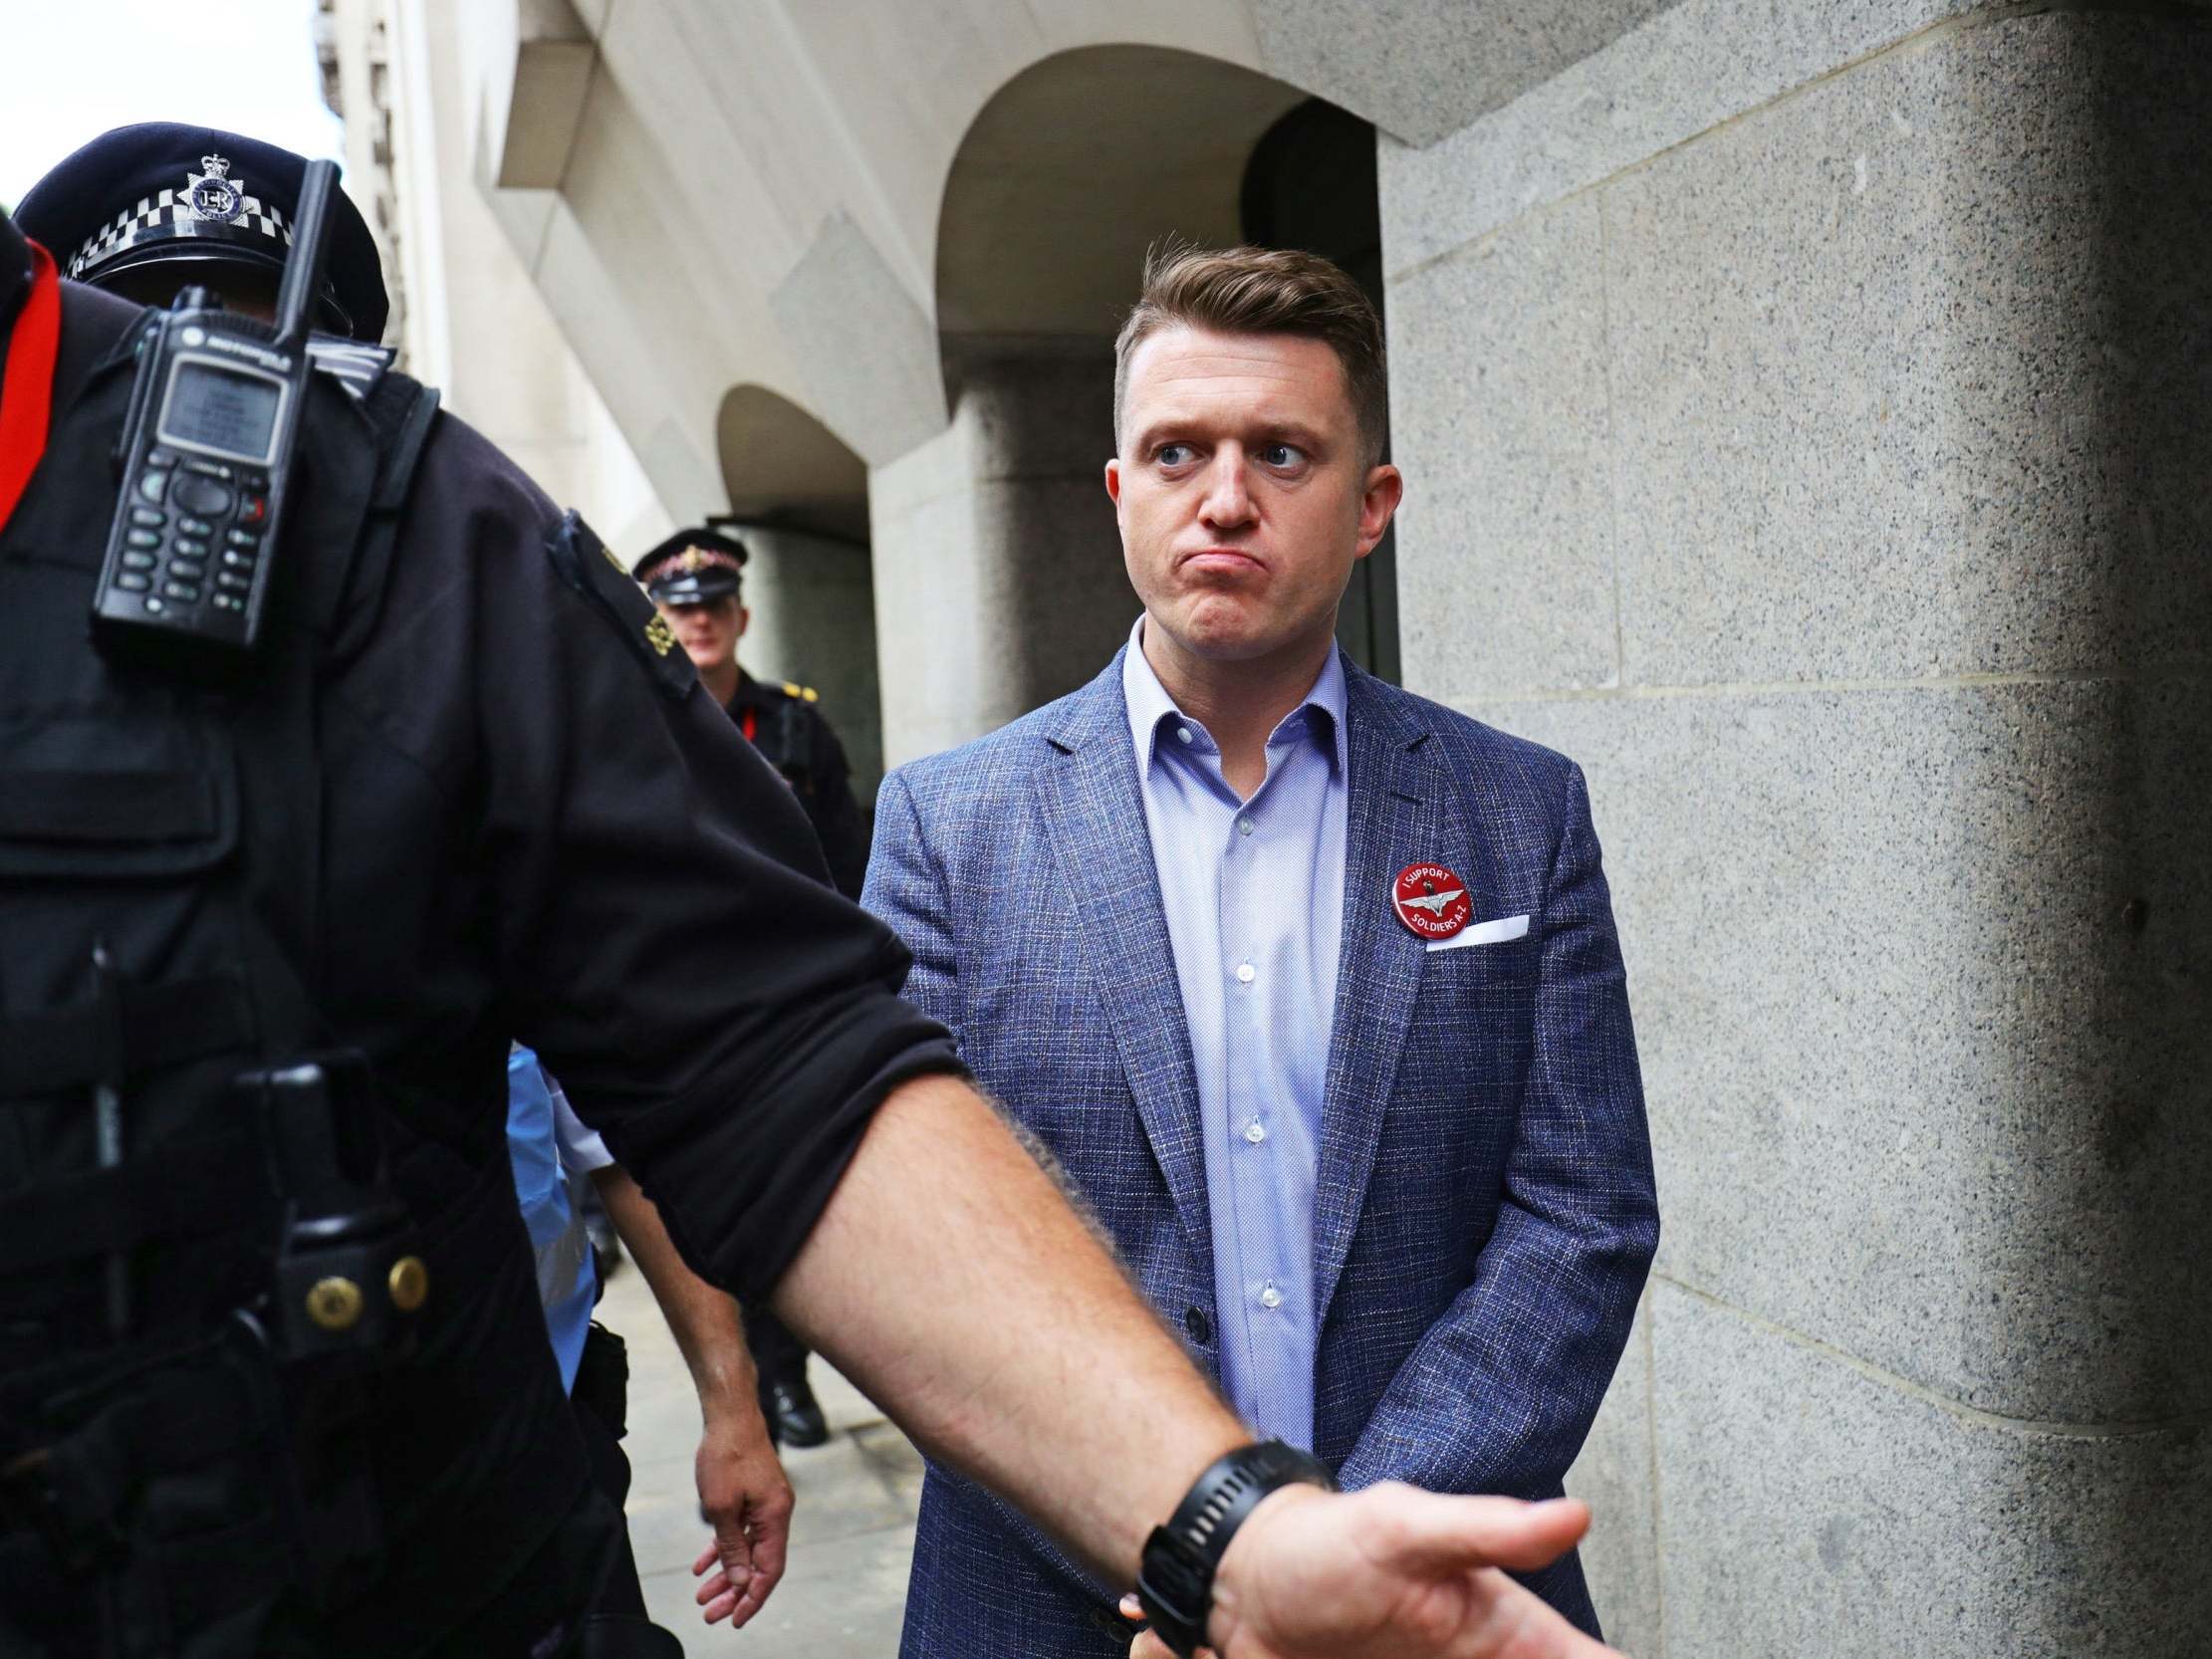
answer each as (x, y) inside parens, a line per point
(1264, 290)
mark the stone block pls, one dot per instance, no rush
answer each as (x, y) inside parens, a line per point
(1070, 603)
(1686, 69)
(1614, 1476)
(1815, 1509)
(1912, 371)
(930, 592)
(552, 78)
(1038, 417)
(884, 401)
(1419, 68)
(1921, 1002)
(1499, 419)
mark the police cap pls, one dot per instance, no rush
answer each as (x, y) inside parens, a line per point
(162, 191)
(692, 567)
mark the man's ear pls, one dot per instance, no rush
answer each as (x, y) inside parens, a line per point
(1114, 480)
(744, 621)
(1385, 488)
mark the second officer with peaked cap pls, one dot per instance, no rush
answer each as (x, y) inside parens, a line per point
(696, 578)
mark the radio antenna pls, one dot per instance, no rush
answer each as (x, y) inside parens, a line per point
(303, 269)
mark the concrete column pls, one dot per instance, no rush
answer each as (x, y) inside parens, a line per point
(998, 570)
(814, 621)
(1825, 473)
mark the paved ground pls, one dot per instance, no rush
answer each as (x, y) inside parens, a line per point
(851, 1536)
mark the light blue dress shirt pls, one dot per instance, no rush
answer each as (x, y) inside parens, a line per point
(549, 1193)
(1254, 895)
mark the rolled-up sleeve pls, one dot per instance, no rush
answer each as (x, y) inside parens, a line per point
(661, 922)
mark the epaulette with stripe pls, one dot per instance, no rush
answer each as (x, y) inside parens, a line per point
(355, 365)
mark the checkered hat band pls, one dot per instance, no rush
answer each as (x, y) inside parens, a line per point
(169, 218)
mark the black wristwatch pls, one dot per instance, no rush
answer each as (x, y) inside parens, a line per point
(1175, 1582)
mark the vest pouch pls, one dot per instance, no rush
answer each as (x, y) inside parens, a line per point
(120, 825)
(88, 802)
(157, 1482)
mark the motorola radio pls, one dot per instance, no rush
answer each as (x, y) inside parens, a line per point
(209, 458)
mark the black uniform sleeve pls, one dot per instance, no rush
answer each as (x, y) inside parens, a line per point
(652, 897)
(837, 814)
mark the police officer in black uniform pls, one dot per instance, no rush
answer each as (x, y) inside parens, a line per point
(696, 578)
(264, 940)
(104, 202)
(98, 756)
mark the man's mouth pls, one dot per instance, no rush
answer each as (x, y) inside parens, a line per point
(1226, 561)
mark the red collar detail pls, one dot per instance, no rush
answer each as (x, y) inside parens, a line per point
(27, 394)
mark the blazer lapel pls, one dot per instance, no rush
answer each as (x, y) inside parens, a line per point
(1394, 816)
(1093, 809)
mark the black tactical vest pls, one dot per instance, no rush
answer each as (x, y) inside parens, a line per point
(170, 1483)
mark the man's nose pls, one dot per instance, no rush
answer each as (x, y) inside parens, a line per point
(1228, 504)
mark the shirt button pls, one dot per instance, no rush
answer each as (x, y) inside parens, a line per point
(1182, 733)
(1244, 973)
(1244, 826)
(1270, 1298)
(1255, 1132)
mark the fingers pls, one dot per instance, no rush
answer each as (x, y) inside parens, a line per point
(1519, 1624)
(771, 1533)
(1427, 1533)
(1148, 1645)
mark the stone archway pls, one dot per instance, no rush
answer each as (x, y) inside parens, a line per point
(798, 498)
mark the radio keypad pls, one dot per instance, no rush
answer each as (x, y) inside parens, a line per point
(217, 517)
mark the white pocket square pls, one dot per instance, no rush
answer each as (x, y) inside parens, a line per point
(1484, 933)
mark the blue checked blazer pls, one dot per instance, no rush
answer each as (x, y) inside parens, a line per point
(1484, 1202)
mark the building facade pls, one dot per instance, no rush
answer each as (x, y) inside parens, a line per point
(1803, 406)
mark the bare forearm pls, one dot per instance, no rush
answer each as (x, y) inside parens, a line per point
(951, 1280)
(704, 1319)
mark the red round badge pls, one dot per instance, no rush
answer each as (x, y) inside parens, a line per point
(1432, 902)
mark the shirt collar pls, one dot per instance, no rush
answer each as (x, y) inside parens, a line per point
(1149, 705)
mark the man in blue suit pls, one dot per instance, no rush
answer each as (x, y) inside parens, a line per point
(1309, 985)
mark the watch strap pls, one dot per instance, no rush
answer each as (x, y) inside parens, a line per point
(1175, 1582)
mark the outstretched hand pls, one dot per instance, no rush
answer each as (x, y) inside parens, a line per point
(746, 1497)
(1391, 1572)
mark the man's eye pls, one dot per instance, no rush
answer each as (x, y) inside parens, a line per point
(1282, 455)
(1171, 454)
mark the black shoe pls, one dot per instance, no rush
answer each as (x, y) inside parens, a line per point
(794, 1419)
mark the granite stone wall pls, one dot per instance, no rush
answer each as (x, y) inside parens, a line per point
(1822, 466)
(998, 581)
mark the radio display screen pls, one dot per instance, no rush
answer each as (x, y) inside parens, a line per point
(215, 409)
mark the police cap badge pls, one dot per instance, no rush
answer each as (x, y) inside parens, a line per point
(694, 566)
